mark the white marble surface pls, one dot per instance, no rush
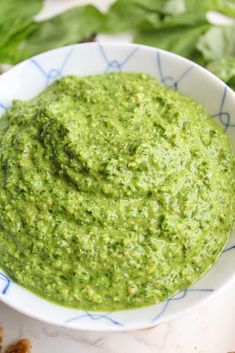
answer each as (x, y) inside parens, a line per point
(209, 328)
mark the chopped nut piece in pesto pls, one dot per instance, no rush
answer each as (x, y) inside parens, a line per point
(115, 192)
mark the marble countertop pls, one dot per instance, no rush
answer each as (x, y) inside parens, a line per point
(209, 328)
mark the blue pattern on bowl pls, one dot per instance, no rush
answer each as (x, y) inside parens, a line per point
(168, 80)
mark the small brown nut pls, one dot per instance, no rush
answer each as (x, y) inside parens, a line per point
(22, 346)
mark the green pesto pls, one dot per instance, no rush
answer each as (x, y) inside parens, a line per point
(115, 192)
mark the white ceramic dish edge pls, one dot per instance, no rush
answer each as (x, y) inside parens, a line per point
(30, 77)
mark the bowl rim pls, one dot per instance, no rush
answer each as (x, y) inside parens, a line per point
(138, 325)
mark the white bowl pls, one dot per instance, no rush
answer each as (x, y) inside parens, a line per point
(31, 76)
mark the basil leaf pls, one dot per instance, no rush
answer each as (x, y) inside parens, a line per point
(180, 40)
(227, 7)
(24, 9)
(15, 25)
(13, 38)
(217, 43)
(129, 15)
(67, 28)
(223, 68)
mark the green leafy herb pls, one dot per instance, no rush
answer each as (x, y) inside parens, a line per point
(128, 15)
(138, 14)
(180, 26)
(161, 6)
(217, 43)
(13, 39)
(225, 69)
(177, 32)
(174, 7)
(227, 7)
(15, 25)
(180, 40)
(67, 28)
(24, 9)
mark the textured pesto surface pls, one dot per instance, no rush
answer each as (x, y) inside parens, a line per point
(115, 192)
